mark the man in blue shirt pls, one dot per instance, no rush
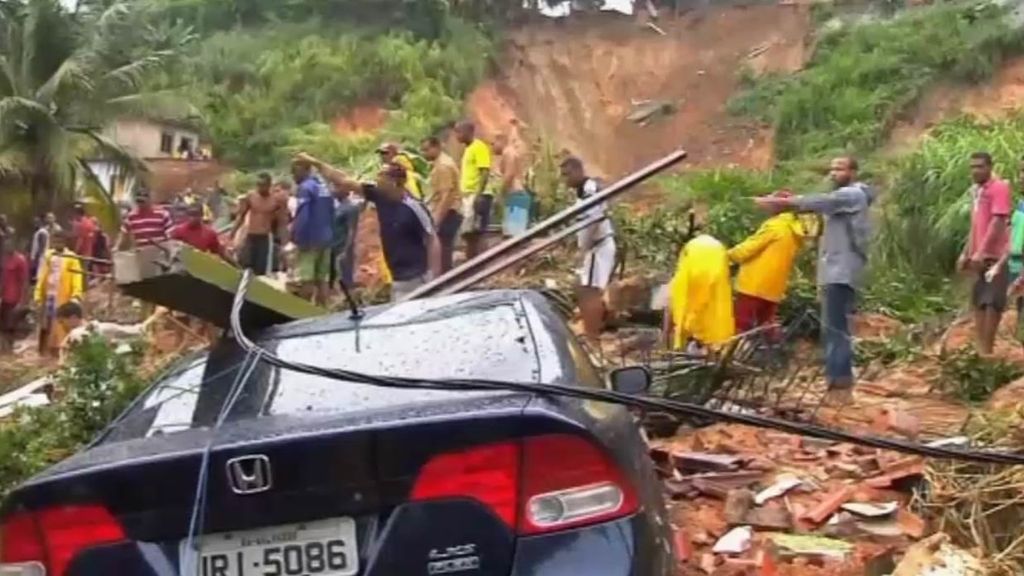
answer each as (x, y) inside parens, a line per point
(411, 247)
(312, 232)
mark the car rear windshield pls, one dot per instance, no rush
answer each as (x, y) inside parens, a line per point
(494, 342)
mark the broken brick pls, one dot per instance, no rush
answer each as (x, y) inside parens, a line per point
(881, 564)
(829, 505)
(704, 462)
(911, 524)
(708, 563)
(908, 470)
(683, 546)
(737, 504)
(711, 488)
(774, 518)
(894, 420)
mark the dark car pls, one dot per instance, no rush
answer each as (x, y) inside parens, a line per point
(313, 476)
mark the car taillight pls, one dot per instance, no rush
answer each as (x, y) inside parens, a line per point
(569, 482)
(541, 484)
(51, 538)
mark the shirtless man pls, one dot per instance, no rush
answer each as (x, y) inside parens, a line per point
(267, 214)
(510, 167)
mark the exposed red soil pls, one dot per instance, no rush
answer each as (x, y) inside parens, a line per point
(364, 119)
(576, 82)
(997, 98)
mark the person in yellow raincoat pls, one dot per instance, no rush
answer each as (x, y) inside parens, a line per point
(700, 296)
(766, 261)
(60, 280)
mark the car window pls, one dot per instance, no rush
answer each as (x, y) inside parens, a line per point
(492, 343)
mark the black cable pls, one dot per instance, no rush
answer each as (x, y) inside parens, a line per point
(663, 405)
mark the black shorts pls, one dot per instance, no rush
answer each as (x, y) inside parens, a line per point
(259, 254)
(483, 206)
(990, 294)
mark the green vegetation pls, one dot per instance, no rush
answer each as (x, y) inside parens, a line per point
(971, 378)
(97, 385)
(928, 195)
(265, 92)
(862, 77)
(64, 77)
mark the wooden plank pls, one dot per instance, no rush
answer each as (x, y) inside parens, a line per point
(186, 280)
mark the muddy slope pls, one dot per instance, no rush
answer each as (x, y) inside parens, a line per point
(576, 81)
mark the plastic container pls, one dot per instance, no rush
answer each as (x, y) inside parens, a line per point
(517, 213)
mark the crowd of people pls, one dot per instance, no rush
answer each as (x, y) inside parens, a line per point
(306, 226)
(309, 224)
(707, 309)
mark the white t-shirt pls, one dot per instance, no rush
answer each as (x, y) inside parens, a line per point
(591, 236)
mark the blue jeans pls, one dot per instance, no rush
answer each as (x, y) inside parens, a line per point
(837, 305)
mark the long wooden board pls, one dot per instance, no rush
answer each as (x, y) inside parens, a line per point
(186, 280)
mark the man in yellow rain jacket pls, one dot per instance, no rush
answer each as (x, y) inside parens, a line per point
(766, 260)
(60, 280)
(700, 296)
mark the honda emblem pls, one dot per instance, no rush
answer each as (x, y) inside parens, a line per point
(249, 474)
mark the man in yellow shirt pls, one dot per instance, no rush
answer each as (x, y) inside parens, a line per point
(766, 260)
(477, 201)
(391, 152)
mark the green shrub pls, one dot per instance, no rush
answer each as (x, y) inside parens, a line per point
(863, 76)
(971, 378)
(98, 384)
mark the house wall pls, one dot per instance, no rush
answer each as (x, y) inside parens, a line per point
(144, 139)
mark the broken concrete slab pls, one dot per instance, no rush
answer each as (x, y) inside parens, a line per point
(735, 541)
(783, 484)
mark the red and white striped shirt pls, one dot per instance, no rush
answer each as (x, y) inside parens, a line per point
(150, 227)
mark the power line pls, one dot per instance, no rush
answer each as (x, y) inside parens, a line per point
(673, 407)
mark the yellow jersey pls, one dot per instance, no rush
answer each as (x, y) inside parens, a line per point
(475, 159)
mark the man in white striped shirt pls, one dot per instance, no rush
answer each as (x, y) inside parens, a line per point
(597, 246)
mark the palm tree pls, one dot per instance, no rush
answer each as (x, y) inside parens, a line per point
(64, 77)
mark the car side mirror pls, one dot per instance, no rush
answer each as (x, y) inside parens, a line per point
(630, 380)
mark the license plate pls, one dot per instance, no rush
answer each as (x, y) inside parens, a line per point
(322, 548)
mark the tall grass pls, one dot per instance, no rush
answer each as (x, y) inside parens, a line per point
(926, 212)
(863, 76)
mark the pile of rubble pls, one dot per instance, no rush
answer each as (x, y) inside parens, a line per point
(756, 502)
